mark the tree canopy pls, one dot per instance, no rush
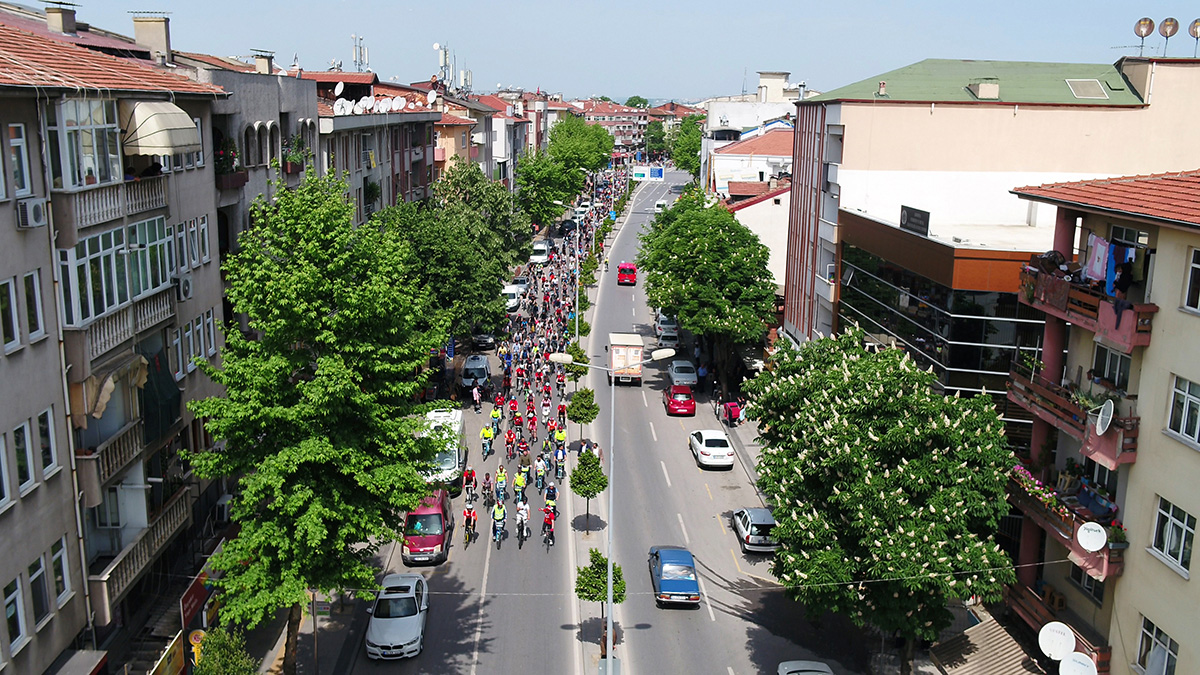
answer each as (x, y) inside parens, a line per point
(591, 581)
(544, 180)
(317, 416)
(637, 102)
(685, 147)
(656, 138)
(887, 493)
(587, 479)
(224, 653)
(579, 145)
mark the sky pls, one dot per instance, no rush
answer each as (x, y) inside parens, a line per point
(667, 49)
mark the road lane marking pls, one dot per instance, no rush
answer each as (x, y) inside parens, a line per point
(745, 573)
(687, 540)
(664, 468)
(709, 493)
(652, 434)
(645, 402)
(721, 522)
(704, 591)
(730, 669)
(487, 563)
(634, 310)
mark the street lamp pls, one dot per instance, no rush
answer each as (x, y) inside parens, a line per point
(567, 359)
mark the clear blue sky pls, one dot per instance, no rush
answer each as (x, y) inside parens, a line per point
(677, 49)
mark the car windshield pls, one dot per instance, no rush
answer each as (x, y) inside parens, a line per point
(422, 525)
(474, 373)
(666, 321)
(674, 572)
(761, 530)
(446, 460)
(682, 397)
(395, 608)
(716, 443)
(685, 370)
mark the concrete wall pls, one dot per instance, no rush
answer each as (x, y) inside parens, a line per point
(769, 221)
(727, 168)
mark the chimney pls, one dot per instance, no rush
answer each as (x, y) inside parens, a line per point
(60, 20)
(264, 63)
(986, 89)
(154, 33)
(882, 88)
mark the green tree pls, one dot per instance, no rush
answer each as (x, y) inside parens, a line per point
(887, 493)
(579, 145)
(587, 479)
(710, 271)
(591, 581)
(497, 224)
(317, 415)
(604, 98)
(575, 371)
(685, 150)
(656, 138)
(543, 180)
(637, 102)
(224, 653)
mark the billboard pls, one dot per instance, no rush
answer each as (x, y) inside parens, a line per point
(652, 174)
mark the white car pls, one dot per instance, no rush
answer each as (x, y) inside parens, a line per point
(397, 626)
(448, 463)
(804, 668)
(711, 447)
(512, 297)
(682, 372)
(668, 339)
(541, 253)
(665, 323)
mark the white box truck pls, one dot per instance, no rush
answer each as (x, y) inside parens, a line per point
(625, 354)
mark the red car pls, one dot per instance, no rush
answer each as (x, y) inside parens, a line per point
(678, 400)
(626, 274)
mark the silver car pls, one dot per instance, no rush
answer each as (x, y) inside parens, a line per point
(804, 668)
(397, 626)
(753, 529)
(682, 372)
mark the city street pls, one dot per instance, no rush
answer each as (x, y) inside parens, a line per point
(514, 610)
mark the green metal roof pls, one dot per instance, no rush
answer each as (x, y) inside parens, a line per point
(947, 80)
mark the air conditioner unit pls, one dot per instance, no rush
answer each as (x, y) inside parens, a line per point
(31, 213)
(183, 287)
(221, 510)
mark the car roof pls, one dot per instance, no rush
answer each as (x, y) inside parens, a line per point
(400, 584)
(627, 264)
(681, 362)
(675, 554)
(760, 516)
(712, 433)
(804, 667)
(431, 504)
(476, 358)
(680, 389)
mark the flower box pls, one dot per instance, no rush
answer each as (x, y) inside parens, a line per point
(292, 168)
(232, 181)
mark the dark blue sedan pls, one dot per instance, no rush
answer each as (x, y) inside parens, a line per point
(673, 576)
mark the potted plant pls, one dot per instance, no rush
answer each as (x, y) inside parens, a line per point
(1117, 536)
(230, 174)
(295, 154)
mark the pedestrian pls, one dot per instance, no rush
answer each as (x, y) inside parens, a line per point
(702, 376)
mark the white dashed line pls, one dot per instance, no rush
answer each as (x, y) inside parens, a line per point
(652, 434)
(686, 539)
(664, 468)
(644, 401)
(704, 592)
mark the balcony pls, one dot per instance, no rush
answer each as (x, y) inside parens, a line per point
(824, 287)
(1087, 308)
(1036, 612)
(112, 330)
(77, 210)
(111, 584)
(99, 465)
(1053, 404)
(1062, 523)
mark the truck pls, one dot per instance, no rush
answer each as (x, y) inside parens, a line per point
(625, 354)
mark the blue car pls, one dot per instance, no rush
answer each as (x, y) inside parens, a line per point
(673, 576)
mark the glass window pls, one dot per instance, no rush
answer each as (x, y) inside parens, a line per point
(46, 440)
(9, 332)
(198, 156)
(100, 280)
(84, 143)
(198, 331)
(1111, 365)
(1153, 636)
(193, 243)
(3, 471)
(210, 331)
(22, 452)
(181, 247)
(1192, 299)
(1089, 585)
(38, 590)
(203, 236)
(1173, 533)
(189, 346)
(33, 304)
(177, 350)
(14, 613)
(1185, 409)
(58, 564)
(19, 153)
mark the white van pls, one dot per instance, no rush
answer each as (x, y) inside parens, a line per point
(660, 206)
(580, 214)
(512, 297)
(448, 463)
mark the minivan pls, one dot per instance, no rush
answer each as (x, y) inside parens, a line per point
(626, 274)
(660, 206)
(512, 297)
(448, 462)
(428, 530)
(475, 369)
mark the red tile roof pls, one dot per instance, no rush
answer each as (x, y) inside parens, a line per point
(324, 108)
(29, 60)
(219, 62)
(501, 107)
(739, 188)
(339, 76)
(775, 143)
(83, 36)
(1170, 197)
(769, 194)
(454, 121)
(673, 109)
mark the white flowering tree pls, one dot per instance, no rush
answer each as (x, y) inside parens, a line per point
(887, 494)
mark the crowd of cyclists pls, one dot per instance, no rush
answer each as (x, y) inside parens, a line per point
(530, 405)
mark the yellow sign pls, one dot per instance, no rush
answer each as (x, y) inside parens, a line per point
(172, 661)
(196, 637)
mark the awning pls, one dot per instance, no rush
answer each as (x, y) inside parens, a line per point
(983, 649)
(157, 128)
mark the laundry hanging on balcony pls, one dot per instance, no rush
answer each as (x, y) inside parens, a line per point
(157, 128)
(1097, 260)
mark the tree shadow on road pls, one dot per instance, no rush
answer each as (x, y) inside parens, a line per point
(584, 523)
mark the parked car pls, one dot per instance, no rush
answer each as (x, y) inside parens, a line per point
(673, 576)
(804, 668)
(521, 282)
(753, 528)
(447, 463)
(566, 227)
(668, 339)
(665, 322)
(681, 371)
(711, 447)
(512, 297)
(428, 530)
(626, 274)
(541, 253)
(397, 626)
(482, 338)
(475, 369)
(678, 400)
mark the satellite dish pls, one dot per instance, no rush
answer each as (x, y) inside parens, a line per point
(1168, 27)
(1056, 640)
(412, 105)
(339, 88)
(431, 96)
(1104, 418)
(1077, 664)
(358, 108)
(384, 105)
(398, 103)
(1092, 537)
(341, 106)
(436, 46)
(1144, 27)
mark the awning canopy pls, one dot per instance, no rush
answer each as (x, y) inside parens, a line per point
(101, 384)
(157, 128)
(983, 649)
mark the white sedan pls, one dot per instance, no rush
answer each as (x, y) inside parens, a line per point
(711, 447)
(397, 626)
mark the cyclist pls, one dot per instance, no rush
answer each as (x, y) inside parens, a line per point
(486, 434)
(560, 438)
(510, 437)
(562, 414)
(499, 514)
(501, 483)
(562, 382)
(529, 406)
(533, 427)
(516, 421)
(512, 407)
(546, 408)
(560, 459)
(469, 483)
(496, 414)
(522, 446)
(539, 471)
(470, 518)
(523, 518)
(487, 486)
(519, 482)
(548, 524)
(525, 463)
(605, 263)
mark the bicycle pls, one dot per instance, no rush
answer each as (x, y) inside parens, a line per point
(487, 447)
(468, 533)
(498, 532)
(522, 533)
(548, 538)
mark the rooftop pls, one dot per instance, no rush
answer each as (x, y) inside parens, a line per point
(339, 76)
(454, 120)
(784, 188)
(951, 80)
(776, 143)
(1168, 198)
(738, 188)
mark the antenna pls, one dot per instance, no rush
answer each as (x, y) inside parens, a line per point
(360, 52)
(1143, 28)
(1167, 28)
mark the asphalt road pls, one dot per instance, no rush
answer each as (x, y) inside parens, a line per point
(514, 610)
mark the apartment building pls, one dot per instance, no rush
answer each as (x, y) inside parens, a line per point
(453, 136)
(1115, 422)
(510, 128)
(626, 125)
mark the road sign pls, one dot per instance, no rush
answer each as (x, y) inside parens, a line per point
(653, 174)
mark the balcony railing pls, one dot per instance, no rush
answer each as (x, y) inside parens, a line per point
(1063, 523)
(109, 202)
(111, 457)
(1053, 404)
(111, 584)
(1087, 308)
(112, 330)
(1034, 611)
(154, 309)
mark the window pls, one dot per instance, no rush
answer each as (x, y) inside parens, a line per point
(177, 350)
(46, 441)
(151, 256)
(1101, 476)
(198, 156)
(198, 331)
(193, 244)
(1192, 299)
(1185, 409)
(14, 613)
(1173, 533)
(210, 330)
(189, 346)
(94, 276)
(1112, 365)
(8, 316)
(58, 565)
(1089, 585)
(21, 449)
(1129, 237)
(33, 305)
(4, 498)
(19, 153)
(203, 237)
(181, 247)
(38, 591)
(83, 140)
(1152, 636)
(108, 513)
